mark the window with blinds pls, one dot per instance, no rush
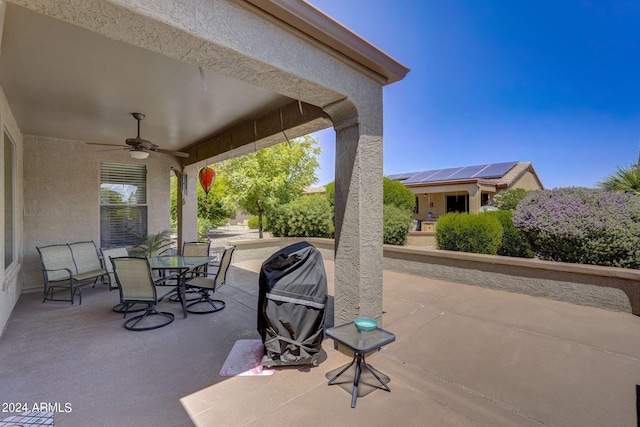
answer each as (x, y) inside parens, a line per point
(123, 203)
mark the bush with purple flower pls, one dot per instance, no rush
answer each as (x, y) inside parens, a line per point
(582, 225)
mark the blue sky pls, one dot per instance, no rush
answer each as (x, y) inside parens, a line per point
(556, 83)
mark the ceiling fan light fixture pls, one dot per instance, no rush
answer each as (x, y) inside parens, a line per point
(138, 154)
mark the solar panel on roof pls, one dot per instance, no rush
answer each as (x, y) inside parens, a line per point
(467, 172)
(491, 170)
(496, 170)
(443, 174)
(401, 176)
(420, 177)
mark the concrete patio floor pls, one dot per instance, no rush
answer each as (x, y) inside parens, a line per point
(464, 356)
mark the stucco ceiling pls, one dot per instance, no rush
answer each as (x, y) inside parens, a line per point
(66, 82)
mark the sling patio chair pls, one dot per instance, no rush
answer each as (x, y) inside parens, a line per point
(108, 266)
(107, 254)
(206, 284)
(188, 249)
(137, 286)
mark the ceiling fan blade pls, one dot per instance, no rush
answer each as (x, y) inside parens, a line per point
(108, 145)
(173, 153)
(113, 149)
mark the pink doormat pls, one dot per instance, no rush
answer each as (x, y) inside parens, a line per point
(245, 360)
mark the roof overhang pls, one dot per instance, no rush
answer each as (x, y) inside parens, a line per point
(333, 38)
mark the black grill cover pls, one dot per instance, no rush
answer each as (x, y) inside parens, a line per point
(292, 306)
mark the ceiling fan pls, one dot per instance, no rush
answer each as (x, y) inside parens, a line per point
(139, 148)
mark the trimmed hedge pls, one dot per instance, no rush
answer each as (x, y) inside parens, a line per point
(582, 225)
(464, 232)
(514, 242)
(396, 223)
(396, 194)
(308, 216)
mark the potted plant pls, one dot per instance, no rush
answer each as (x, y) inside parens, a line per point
(152, 244)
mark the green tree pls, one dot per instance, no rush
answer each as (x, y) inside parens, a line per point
(625, 180)
(213, 209)
(273, 176)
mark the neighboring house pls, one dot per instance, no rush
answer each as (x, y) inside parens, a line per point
(464, 189)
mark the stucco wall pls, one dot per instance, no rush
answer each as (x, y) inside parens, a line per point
(11, 284)
(62, 195)
(616, 289)
(526, 181)
(610, 288)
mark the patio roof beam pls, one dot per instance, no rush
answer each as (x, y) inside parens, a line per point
(290, 121)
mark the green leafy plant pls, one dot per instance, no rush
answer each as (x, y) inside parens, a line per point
(308, 216)
(508, 199)
(625, 180)
(464, 232)
(396, 194)
(253, 223)
(514, 242)
(396, 222)
(152, 245)
(259, 182)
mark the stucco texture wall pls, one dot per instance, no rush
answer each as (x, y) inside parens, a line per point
(526, 181)
(62, 195)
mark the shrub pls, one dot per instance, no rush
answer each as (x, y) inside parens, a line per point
(330, 193)
(514, 242)
(253, 223)
(508, 200)
(396, 194)
(466, 232)
(582, 225)
(396, 222)
(308, 216)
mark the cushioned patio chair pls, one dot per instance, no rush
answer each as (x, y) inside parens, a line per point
(206, 284)
(136, 285)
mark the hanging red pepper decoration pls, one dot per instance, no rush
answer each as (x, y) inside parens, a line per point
(206, 176)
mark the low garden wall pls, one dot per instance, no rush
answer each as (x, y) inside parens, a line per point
(610, 288)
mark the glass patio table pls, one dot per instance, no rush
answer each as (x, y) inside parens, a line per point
(360, 342)
(182, 264)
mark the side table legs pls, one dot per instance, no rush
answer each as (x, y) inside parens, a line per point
(358, 360)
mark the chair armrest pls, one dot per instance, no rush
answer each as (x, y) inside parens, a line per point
(207, 273)
(69, 272)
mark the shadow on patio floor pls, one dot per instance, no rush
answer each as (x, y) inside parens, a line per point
(464, 356)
